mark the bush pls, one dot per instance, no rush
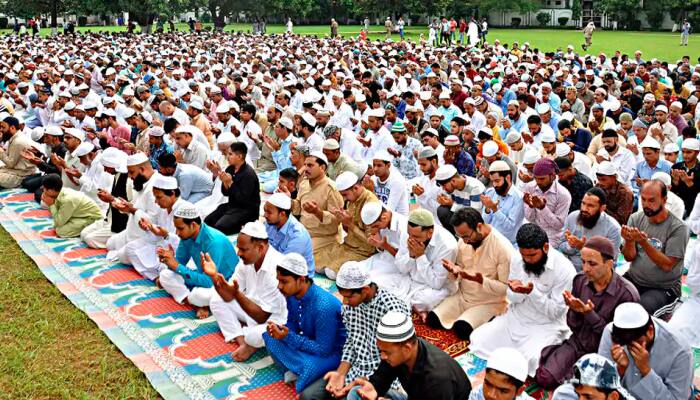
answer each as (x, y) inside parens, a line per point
(206, 18)
(82, 21)
(562, 21)
(3, 22)
(543, 18)
(634, 25)
(515, 22)
(655, 15)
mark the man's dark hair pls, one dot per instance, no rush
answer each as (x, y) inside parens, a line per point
(12, 121)
(52, 182)
(249, 108)
(169, 192)
(609, 133)
(534, 119)
(599, 193)
(286, 272)
(564, 124)
(467, 215)
(562, 162)
(170, 124)
(239, 148)
(531, 236)
(289, 174)
(190, 221)
(515, 382)
(167, 160)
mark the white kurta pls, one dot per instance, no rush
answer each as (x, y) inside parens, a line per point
(532, 321)
(261, 288)
(95, 178)
(393, 192)
(426, 278)
(428, 199)
(382, 265)
(684, 320)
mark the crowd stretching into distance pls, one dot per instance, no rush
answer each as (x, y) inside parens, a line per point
(538, 204)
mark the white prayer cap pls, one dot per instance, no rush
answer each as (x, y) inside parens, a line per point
(444, 95)
(376, 112)
(352, 275)
(513, 137)
(128, 92)
(383, 155)
(226, 138)
(543, 108)
(319, 156)
(286, 122)
(156, 131)
(83, 149)
(663, 177)
(186, 211)
(345, 181)
(54, 130)
(548, 137)
(395, 327)
(69, 106)
(499, 166)
(371, 212)
(222, 108)
(445, 172)
(490, 148)
(128, 113)
(677, 104)
(280, 200)
(452, 140)
(508, 361)
(630, 316)
(671, 148)
(255, 229)
(37, 133)
(109, 112)
(76, 133)
(567, 115)
(661, 108)
(136, 159)
(197, 105)
(107, 100)
(606, 168)
(114, 158)
(425, 96)
(650, 143)
(691, 144)
(309, 119)
(531, 156)
(294, 263)
(331, 144)
(563, 150)
(164, 182)
(360, 98)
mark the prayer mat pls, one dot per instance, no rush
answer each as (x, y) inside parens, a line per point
(183, 357)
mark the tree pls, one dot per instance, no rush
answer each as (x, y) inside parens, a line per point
(624, 11)
(509, 5)
(576, 11)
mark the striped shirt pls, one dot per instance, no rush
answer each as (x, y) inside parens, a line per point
(470, 196)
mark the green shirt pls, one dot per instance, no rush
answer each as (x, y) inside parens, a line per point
(72, 211)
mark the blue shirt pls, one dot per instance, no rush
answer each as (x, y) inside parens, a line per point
(292, 238)
(464, 163)
(155, 152)
(644, 171)
(508, 95)
(282, 157)
(516, 126)
(193, 182)
(510, 214)
(448, 114)
(209, 240)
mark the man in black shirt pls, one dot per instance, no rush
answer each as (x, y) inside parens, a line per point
(575, 182)
(425, 372)
(686, 174)
(240, 183)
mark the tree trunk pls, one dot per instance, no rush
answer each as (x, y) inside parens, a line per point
(54, 17)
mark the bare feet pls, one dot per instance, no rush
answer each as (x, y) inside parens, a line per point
(243, 352)
(202, 312)
(157, 282)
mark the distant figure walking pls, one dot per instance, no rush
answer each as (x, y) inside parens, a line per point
(685, 32)
(588, 35)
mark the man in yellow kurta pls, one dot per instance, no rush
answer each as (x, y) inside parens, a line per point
(16, 167)
(483, 265)
(355, 247)
(71, 210)
(316, 197)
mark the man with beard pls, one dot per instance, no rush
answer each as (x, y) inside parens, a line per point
(516, 121)
(620, 197)
(425, 188)
(503, 206)
(653, 362)
(536, 315)
(624, 161)
(655, 243)
(481, 272)
(590, 220)
(574, 181)
(96, 234)
(16, 167)
(595, 294)
(143, 205)
(547, 201)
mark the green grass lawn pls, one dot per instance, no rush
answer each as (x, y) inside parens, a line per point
(661, 45)
(48, 348)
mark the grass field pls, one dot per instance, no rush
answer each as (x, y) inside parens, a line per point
(49, 349)
(661, 45)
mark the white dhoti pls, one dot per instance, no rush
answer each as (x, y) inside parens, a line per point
(174, 283)
(96, 234)
(231, 317)
(509, 331)
(685, 319)
(208, 204)
(424, 298)
(142, 256)
(383, 272)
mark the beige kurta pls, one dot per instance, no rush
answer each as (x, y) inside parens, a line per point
(323, 232)
(201, 122)
(474, 303)
(355, 247)
(16, 167)
(266, 163)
